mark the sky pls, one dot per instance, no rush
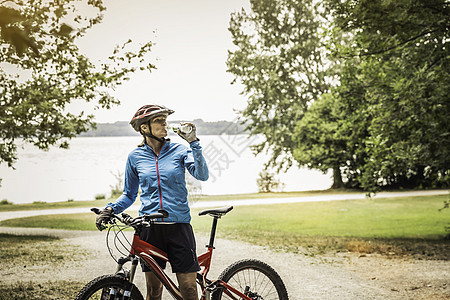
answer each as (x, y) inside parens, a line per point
(191, 43)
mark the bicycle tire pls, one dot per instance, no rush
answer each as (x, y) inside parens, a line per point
(254, 278)
(109, 287)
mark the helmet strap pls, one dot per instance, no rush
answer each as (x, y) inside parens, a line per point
(150, 135)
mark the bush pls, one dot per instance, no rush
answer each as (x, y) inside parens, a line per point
(268, 183)
(117, 189)
(5, 202)
(100, 197)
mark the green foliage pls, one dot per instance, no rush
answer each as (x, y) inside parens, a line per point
(394, 69)
(43, 71)
(383, 123)
(117, 188)
(280, 60)
(267, 182)
(321, 138)
(5, 202)
(100, 197)
(13, 34)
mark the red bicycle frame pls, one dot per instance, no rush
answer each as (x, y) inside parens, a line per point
(145, 251)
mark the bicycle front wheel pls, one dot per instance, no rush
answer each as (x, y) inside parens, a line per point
(109, 287)
(253, 278)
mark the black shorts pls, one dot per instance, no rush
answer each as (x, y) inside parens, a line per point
(178, 241)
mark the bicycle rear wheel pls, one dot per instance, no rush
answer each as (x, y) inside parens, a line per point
(109, 287)
(253, 278)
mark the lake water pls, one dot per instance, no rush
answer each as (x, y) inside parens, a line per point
(91, 164)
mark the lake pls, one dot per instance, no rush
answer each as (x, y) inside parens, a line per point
(91, 165)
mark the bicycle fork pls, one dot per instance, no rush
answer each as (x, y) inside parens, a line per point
(112, 293)
(129, 275)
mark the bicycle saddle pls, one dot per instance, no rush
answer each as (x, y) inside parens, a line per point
(216, 212)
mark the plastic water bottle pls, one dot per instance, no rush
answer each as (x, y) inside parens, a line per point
(183, 128)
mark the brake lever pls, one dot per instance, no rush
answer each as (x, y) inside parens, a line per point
(146, 224)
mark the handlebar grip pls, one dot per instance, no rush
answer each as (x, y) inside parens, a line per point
(161, 214)
(164, 213)
(96, 210)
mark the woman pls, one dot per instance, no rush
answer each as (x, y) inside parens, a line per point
(158, 167)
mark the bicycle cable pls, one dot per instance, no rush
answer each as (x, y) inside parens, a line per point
(116, 229)
(117, 238)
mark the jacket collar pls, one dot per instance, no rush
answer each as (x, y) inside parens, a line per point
(164, 146)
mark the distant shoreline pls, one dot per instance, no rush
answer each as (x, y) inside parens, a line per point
(122, 128)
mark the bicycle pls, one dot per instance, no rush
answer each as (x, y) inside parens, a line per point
(247, 279)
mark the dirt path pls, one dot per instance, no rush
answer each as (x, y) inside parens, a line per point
(336, 276)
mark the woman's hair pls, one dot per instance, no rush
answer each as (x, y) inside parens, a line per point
(142, 143)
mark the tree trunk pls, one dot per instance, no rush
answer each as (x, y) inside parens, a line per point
(337, 178)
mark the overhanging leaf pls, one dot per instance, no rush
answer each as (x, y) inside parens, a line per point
(65, 30)
(9, 16)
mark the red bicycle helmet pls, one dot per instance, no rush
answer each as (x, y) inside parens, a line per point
(147, 112)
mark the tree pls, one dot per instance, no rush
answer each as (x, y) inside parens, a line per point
(49, 72)
(321, 139)
(281, 61)
(404, 63)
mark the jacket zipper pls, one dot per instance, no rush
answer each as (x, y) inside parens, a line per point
(159, 181)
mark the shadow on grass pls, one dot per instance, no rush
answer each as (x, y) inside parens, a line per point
(416, 248)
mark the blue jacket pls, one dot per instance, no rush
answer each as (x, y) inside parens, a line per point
(162, 179)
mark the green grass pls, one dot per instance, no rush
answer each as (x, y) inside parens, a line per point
(60, 290)
(52, 205)
(28, 250)
(84, 221)
(7, 206)
(361, 225)
(409, 217)
(19, 252)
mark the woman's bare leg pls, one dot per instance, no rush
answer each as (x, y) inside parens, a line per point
(154, 286)
(188, 285)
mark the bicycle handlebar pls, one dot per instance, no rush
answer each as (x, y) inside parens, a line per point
(130, 221)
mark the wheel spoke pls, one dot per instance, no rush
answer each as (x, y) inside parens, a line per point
(109, 287)
(254, 278)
